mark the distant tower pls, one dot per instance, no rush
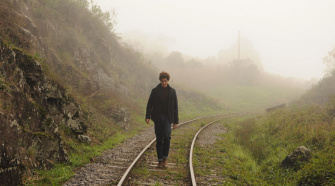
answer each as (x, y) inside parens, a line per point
(238, 57)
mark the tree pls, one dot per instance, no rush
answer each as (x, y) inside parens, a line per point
(175, 59)
(108, 18)
(330, 62)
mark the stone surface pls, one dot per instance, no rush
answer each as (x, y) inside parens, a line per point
(299, 155)
(32, 108)
(84, 139)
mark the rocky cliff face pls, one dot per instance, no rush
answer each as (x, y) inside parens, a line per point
(36, 112)
(32, 109)
(81, 51)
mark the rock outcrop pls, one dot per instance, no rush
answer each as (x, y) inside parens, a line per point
(84, 139)
(32, 108)
(298, 156)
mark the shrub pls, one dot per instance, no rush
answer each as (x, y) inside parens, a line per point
(320, 170)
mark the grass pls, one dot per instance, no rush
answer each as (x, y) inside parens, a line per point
(251, 153)
(81, 154)
(246, 98)
(226, 159)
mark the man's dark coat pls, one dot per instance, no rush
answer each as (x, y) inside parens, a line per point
(154, 106)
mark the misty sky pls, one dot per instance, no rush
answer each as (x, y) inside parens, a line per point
(291, 36)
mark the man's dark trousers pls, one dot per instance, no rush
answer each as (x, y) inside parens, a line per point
(163, 136)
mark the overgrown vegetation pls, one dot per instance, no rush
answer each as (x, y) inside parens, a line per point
(227, 160)
(321, 93)
(251, 153)
(324, 91)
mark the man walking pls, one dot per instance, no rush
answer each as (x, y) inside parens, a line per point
(162, 108)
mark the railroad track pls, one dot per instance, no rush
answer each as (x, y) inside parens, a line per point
(108, 168)
(192, 174)
(146, 160)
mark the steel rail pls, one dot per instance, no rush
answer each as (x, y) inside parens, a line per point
(126, 174)
(194, 183)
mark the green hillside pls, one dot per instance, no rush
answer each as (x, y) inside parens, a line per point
(73, 78)
(254, 97)
(259, 145)
(321, 93)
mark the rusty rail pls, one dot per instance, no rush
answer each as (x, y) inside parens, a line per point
(194, 183)
(136, 160)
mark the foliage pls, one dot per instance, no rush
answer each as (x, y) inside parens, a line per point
(227, 160)
(267, 140)
(324, 91)
(321, 93)
(108, 18)
(59, 174)
(321, 169)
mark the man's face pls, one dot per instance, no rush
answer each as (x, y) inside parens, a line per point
(164, 82)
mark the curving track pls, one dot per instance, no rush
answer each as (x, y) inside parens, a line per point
(109, 168)
(192, 175)
(149, 163)
(124, 180)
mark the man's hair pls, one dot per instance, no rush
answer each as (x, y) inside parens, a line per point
(164, 75)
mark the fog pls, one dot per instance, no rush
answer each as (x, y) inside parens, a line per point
(291, 37)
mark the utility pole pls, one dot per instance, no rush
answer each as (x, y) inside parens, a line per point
(238, 57)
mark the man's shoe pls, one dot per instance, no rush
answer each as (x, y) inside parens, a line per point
(165, 163)
(160, 164)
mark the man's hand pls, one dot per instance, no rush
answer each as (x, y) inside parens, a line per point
(147, 121)
(175, 125)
